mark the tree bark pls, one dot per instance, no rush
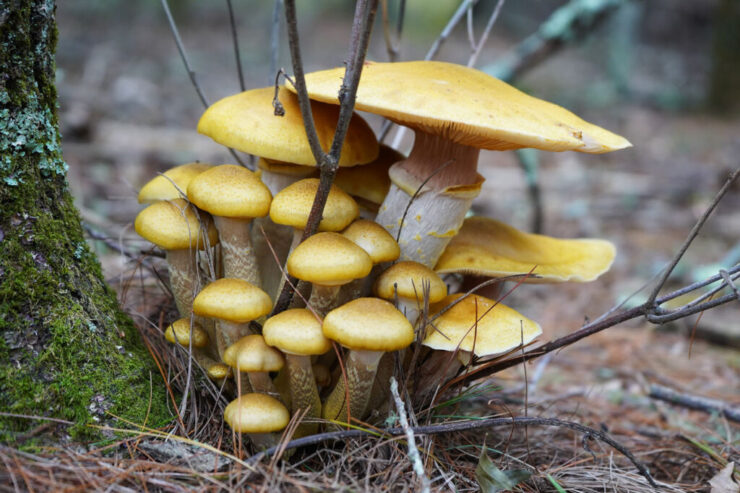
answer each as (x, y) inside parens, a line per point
(66, 349)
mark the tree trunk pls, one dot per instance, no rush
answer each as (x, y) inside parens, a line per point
(66, 351)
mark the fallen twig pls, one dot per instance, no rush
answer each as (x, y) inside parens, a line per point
(695, 402)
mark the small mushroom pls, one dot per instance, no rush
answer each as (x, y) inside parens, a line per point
(251, 355)
(172, 184)
(176, 227)
(406, 280)
(328, 261)
(369, 327)
(297, 333)
(259, 416)
(234, 196)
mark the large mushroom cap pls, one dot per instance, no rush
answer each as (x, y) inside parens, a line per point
(292, 206)
(466, 106)
(256, 413)
(296, 331)
(329, 259)
(408, 279)
(479, 325)
(231, 299)
(369, 324)
(175, 225)
(247, 122)
(230, 191)
(171, 184)
(489, 248)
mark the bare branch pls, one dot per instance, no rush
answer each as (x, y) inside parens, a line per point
(695, 402)
(484, 37)
(232, 22)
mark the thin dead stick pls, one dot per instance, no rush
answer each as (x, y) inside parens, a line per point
(328, 163)
(465, 425)
(690, 239)
(391, 46)
(695, 402)
(484, 37)
(189, 69)
(275, 37)
(235, 38)
(414, 456)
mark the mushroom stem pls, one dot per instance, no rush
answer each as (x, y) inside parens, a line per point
(324, 298)
(361, 366)
(279, 238)
(438, 211)
(436, 370)
(228, 333)
(238, 255)
(303, 391)
(183, 278)
(262, 384)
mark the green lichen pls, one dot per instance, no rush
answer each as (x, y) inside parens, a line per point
(66, 349)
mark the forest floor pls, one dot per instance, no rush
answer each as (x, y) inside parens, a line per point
(128, 112)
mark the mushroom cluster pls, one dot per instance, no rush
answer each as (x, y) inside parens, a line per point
(373, 292)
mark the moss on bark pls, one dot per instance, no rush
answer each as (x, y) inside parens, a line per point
(66, 349)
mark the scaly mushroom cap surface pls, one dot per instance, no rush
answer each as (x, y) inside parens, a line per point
(234, 300)
(256, 413)
(230, 191)
(296, 331)
(489, 248)
(247, 122)
(166, 185)
(369, 183)
(368, 324)
(466, 106)
(292, 206)
(179, 333)
(408, 278)
(497, 331)
(374, 239)
(329, 259)
(174, 225)
(252, 354)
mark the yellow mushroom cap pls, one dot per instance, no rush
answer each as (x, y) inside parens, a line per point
(296, 331)
(256, 413)
(497, 331)
(172, 183)
(408, 278)
(329, 259)
(374, 239)
(368, 324)
(231, 299)
(247, 122)
(369, 183)
(252, 354)
(179, 333)
(218, 371)
(174, 225)
(230, 191)
(490, 248)
(292, 206)
(466, 106)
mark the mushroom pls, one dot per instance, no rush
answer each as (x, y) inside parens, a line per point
(259, 416)
(234, 303)
(378, 244)
(172, 184)
(474, 325)
(176, 227)
(297, 333)
(251, 355)
(233, 195)
(191, 337)
(406, 280)
(328, 261)
(369, 327)
(489, 248)
(454, 111)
